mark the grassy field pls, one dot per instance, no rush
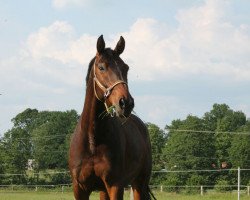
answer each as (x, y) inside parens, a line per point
(95, 196)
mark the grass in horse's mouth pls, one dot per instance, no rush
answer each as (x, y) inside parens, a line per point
(109, 111)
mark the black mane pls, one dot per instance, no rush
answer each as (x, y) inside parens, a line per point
(89, 69)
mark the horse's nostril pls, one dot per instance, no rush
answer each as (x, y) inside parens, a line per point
(122, 103)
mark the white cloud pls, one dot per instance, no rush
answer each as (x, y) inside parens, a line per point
(50, 42)
(54, 59)
(203, 43)
(56, 52)
(58, 42)
(60, 4)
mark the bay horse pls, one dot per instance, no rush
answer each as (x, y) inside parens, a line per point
(110, 147)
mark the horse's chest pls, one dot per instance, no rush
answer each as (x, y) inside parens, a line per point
(102, 161)
(98, 165)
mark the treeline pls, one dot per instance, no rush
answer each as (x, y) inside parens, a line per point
(38, 144)
(219, 141)
(37, 141)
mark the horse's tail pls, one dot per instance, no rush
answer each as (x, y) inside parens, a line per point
(150, 194)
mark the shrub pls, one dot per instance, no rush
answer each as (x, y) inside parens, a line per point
(222, 186)
(192, 182)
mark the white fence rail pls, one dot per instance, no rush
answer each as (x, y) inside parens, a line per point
(202, 189)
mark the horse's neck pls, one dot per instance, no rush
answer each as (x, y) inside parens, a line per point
(91, 110)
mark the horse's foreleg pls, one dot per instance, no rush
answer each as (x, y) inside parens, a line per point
(104, 195)
(79, 192)
(115, 192)
(137, 193)
(141, 192)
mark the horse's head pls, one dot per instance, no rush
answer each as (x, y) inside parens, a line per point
(110, 79)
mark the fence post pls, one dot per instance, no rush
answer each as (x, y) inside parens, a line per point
(62, 189)
(238, 183)
(161, 188)
(248, 190)
(202, 190)
(36, 188)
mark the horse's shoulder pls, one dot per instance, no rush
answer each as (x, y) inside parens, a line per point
(138, 123)
(136, 120)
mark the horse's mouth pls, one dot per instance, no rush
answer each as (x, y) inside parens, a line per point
(116, 111)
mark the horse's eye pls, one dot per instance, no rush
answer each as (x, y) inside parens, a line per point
(101, 67)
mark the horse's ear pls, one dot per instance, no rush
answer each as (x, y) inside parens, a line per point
(120, 46)
(100, 44)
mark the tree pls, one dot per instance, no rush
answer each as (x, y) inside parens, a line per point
(222, 119)
(212, 118)
(2, 161)
(158, 138)
(51, 139)
(43, 136)
(16, 147)
(26, 120)
(230, 122)
(188, 149)
(239, 152)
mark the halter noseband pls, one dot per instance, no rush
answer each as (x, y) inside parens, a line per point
(106, 90)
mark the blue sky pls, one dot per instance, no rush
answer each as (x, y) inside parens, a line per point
(184, 56)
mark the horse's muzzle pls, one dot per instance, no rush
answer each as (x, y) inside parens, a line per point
(126, 105)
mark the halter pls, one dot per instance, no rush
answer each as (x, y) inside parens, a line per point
(106, 90)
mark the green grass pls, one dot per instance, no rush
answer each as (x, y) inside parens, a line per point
(95, 196)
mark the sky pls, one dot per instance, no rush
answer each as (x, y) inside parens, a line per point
(184, 56)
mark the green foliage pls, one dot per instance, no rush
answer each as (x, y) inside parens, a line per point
(16, 152)
(52, 148)
(2, 160)
(44, 136)
(239, 152)
(188, 150)
(158, 140)
(222, 186)
(173, 182)
(195, 180)
(41, 136)
(60, 178)
(212, 118)
(201, 150)
(223, 120)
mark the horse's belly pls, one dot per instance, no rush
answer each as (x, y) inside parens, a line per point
(115, 167)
